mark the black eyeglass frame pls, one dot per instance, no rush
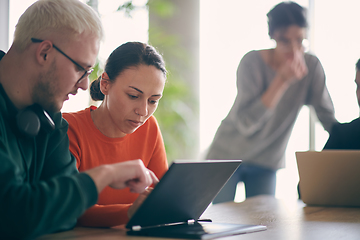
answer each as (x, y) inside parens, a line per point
(86, 72)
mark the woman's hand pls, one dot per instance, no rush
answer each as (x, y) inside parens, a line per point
(293, 69)
(290, 72)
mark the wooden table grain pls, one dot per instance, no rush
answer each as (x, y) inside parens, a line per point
(285, 220)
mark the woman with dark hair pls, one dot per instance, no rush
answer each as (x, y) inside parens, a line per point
(273, 85)
(122, 128)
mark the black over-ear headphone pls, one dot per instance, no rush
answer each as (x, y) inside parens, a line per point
(30, 119)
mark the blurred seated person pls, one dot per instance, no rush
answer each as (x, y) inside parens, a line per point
(347, 135)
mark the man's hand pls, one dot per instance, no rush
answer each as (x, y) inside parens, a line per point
(132, 174)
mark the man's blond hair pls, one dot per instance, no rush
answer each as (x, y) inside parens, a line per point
(66, 18)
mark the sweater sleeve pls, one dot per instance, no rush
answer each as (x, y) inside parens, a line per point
(344, 136)
(98, 215)
(49, 195)
(249, 113)
(318, 95)
(105, 215)
(73, 138)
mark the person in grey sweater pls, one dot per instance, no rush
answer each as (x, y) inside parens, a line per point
(273, 85)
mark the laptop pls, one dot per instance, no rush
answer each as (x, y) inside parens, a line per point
(174, 206)
(330, 177)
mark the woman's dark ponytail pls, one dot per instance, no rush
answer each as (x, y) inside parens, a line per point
(95, 91)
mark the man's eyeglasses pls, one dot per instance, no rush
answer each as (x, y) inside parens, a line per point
(86, 72)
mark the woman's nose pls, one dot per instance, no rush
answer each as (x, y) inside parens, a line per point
(142, 109)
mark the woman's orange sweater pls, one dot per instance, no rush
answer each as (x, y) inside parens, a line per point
(91, 149)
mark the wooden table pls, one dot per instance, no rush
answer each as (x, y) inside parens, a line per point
(285, 220)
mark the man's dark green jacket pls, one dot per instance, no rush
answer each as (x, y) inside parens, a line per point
(41, 190)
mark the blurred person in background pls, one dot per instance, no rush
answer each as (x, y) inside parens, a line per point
(346, 136)
(273, 85)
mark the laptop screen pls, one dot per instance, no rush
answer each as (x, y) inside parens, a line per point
(329, 177)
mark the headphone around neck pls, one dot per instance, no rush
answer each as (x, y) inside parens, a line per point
(32, 118)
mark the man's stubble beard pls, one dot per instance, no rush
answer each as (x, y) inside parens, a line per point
(44, 91)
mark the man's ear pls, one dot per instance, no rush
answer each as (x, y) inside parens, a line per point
(105, 83)
(42, 51)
